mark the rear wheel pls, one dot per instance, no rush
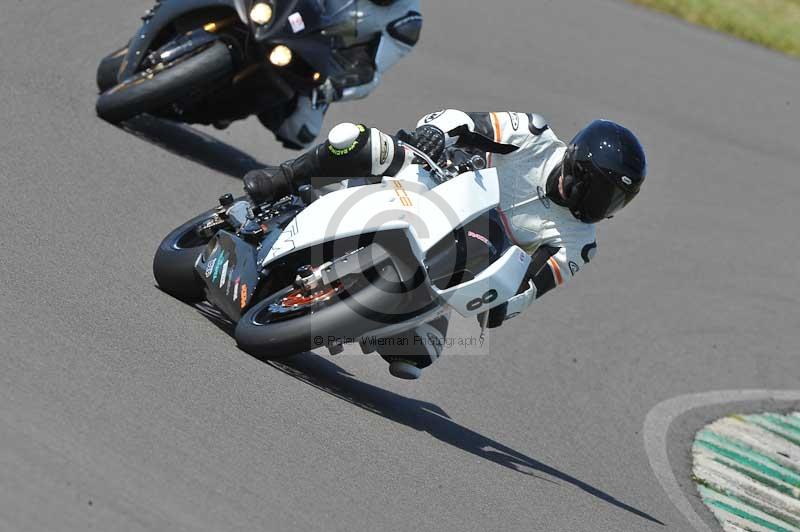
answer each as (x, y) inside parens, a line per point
(148, 91)
(173, 264)
(108, 69)
(291, 322)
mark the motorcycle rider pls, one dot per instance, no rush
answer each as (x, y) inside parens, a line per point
(396, 25)
(551, 193)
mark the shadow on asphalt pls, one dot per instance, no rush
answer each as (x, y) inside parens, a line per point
(326, 376)
(215, 316)
(192, 144)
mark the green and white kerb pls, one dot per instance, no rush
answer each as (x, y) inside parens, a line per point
(747, 469)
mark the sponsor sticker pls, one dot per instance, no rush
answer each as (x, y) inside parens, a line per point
(573, 267)
(243, 299)
(297, 22)
(478, 237)
(433, 116)
(210, 267)
(514, 120)
(224, 276)
(340, 152)
(405, 200)
(384, 149)
(217, 267)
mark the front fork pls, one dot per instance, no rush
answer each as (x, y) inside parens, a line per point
(182, 45)
(188, 42)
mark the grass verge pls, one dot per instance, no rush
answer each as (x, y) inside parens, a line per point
(771, 23)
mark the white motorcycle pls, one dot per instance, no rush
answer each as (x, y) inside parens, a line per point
(354, 265)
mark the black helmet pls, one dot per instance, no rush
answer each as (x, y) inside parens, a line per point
(604, 167)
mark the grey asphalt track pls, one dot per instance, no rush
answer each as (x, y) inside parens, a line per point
(123, 409)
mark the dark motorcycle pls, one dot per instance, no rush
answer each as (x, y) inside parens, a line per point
(216, 61)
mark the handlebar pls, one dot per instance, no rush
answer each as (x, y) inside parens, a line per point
(476, 162)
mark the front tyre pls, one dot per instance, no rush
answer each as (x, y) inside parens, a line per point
(156, 88)
(289, 322)
(173, 264)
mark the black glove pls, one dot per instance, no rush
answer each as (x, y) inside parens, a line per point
(268, 183)
(429, 139)
(497, 316)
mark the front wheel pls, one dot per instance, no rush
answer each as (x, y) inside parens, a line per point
(153, 89)
(173, 264)
(291, 322)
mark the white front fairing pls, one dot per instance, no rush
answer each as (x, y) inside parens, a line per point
(404, 202)
(426, 215)
(493, 286)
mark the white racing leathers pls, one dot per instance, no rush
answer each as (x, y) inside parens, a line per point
(559, 244)
(525, 152)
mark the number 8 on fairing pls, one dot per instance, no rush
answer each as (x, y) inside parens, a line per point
(478, 302)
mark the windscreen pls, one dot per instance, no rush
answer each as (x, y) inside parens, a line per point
(241, 8)
(340, 15)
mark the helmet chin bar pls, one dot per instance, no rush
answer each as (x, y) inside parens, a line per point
(566, 185)
(572, 192)
(575, 201)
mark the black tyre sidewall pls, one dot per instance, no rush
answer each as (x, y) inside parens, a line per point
(166, 86)
(173, 267)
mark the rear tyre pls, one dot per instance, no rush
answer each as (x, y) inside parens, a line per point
(173, 264)
(150, 91)
(108, 69)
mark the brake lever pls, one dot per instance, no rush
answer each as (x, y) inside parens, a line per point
(440, 172)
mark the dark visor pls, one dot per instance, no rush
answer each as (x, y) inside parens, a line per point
(602, 199)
